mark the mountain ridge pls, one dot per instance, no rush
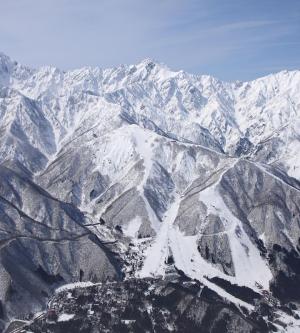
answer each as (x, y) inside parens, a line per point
(215, 115)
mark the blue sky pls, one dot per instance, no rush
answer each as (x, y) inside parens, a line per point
(230, 39)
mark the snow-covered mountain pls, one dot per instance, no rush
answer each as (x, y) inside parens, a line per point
(165, 172)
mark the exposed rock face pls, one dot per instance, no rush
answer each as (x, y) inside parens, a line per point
(267, 202)
(43, 244)
(139, 171)
(214, 245)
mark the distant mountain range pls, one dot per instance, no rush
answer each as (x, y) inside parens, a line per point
(139, 173)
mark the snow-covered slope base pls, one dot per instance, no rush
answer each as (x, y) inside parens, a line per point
(166, 174)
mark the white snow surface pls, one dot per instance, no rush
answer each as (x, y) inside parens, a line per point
(157, 254)
(71, 286)
(65, 317)
(132, 228)
(250, 267)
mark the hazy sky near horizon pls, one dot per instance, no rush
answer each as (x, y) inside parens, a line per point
(232, 39)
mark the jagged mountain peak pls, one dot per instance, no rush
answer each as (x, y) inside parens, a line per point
(5, 59)
(151, 63)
